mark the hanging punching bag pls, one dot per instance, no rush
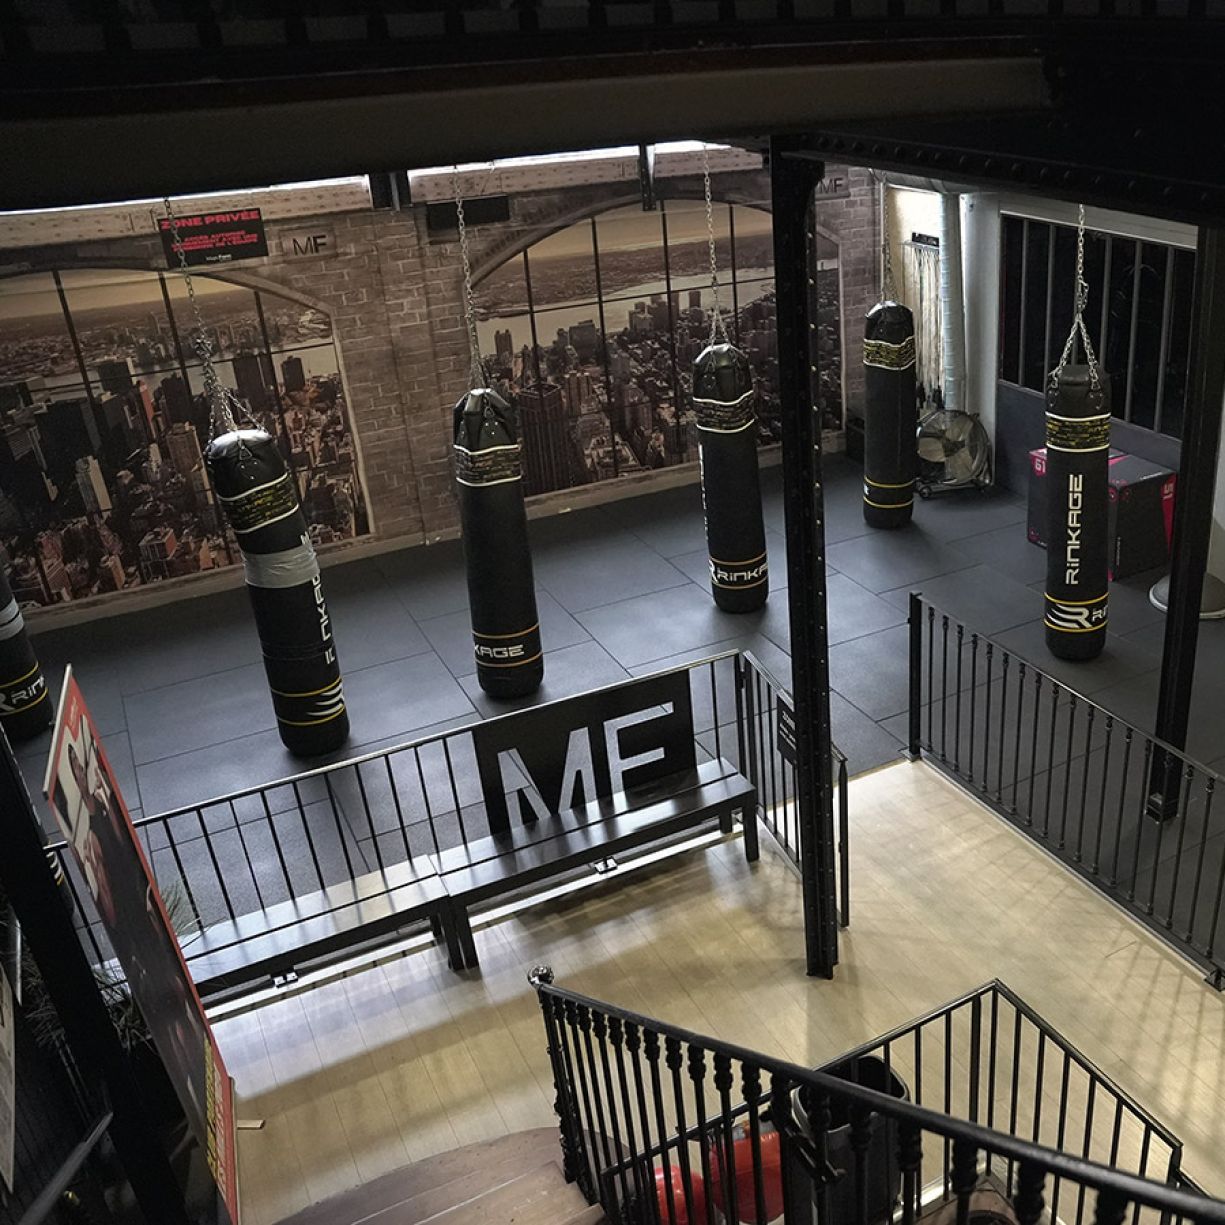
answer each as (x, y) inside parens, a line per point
(501, 593)
(25, 709)
(261, 504)
(724, 401)
(1078, 507)
(890, 418)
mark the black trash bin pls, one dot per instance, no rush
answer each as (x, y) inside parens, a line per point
(884, 1173)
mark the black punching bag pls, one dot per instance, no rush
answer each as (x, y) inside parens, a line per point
(890, 417)
(501, 593)
(261, 504)
(25, 709)
(1078, 510)
(725, 402)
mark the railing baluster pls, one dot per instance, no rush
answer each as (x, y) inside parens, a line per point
(738, 667)
(429, 808)
(1050, 760)
(722, 1081)
(1061, 1129)
(374, 834)
(1209, 789)
(1167, 769)
(973, 703)
(246, 854)
(310, 837)
(590, 1084)
(1015, 1094)
(910, 1156)
(1184, 819)
(697, 1080)
(992, 1054)
(650, 1048)
(999, 761)
(1087, 1146)
(1016, 747)
(1111, 1208)
(861, 1141)
(1145, 1144)
(1118, 829)
(599, 1034)
(674, 1058)
(714, 701)
(964, 1177)
(342, 826)
(1084, 785)
(961, 630)
(1033, 748)
(1067, 771)
(563, 1097)
(1028, 1203)
(1039, 1082)
(1141, 817)
(208, 846)
(931, 692)
(633, 1044)
(395, 798)
(750, 1085)
(986, 779)
(616, 1036)
(944, 686)
(178, 863)
(459, 808)
(1101, 801)
(948, 1097)
(276, 841)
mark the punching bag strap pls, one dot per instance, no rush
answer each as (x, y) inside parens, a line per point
(476, 374)
(1078, 329)
(718, 329)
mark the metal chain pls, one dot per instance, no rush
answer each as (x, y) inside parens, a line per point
(476, 367)
(224, 407)
(1078, 315)
(888, 289)
(718, 328)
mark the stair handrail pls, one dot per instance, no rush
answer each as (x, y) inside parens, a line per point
(1162, 1197)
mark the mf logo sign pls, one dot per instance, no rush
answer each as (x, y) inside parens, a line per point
(316, 241)
(537, 762)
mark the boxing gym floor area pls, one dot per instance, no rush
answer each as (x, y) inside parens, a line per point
(180, 697)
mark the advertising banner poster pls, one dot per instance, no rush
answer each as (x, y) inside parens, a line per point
(215, 238)
(89, 810)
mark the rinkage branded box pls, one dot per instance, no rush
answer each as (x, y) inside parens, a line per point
(1141, 511)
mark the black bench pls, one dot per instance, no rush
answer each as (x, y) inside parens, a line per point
(278, 939)
(527, 854)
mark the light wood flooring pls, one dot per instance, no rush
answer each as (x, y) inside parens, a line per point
(407, 1059)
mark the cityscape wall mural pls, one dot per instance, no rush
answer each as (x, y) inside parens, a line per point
(593, 331)
(103, 424)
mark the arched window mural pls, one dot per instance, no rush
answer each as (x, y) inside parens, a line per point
(594, 329)
(103, 421)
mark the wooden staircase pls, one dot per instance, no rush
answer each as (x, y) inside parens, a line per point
(513, 1180)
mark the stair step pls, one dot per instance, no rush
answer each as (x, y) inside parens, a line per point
(469, 1171)
(540, 1197)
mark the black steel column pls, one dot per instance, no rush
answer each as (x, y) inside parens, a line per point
(793, 175)
(1197, 470)
(42, 909)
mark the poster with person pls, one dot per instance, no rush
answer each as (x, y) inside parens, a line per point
(90, 811)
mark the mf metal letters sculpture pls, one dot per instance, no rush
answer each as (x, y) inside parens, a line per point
(1077, 459)
(261, 504)
(1078, 506)
(890, 415)
(724, 401)
(501, 593)
(25, 709)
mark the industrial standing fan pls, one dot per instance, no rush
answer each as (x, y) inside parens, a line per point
(954, 452)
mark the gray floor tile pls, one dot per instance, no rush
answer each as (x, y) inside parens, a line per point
(670, 522)
(429, 581)
(662, 624)
(884, 560)
(952, 516)
(399, 697)
(581, 577)
(372, 626)
(195, 713)
(854, 611)
(569, 671)
(1008, 550)
(871, 671)
(982, 598)
(866, 744)
(451, 635)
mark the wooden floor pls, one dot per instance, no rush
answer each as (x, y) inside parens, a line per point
(401, 1061)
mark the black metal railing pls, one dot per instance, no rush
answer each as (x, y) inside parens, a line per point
(767, 760)
(1134, 816)
(233, 857)
(659, 1124)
